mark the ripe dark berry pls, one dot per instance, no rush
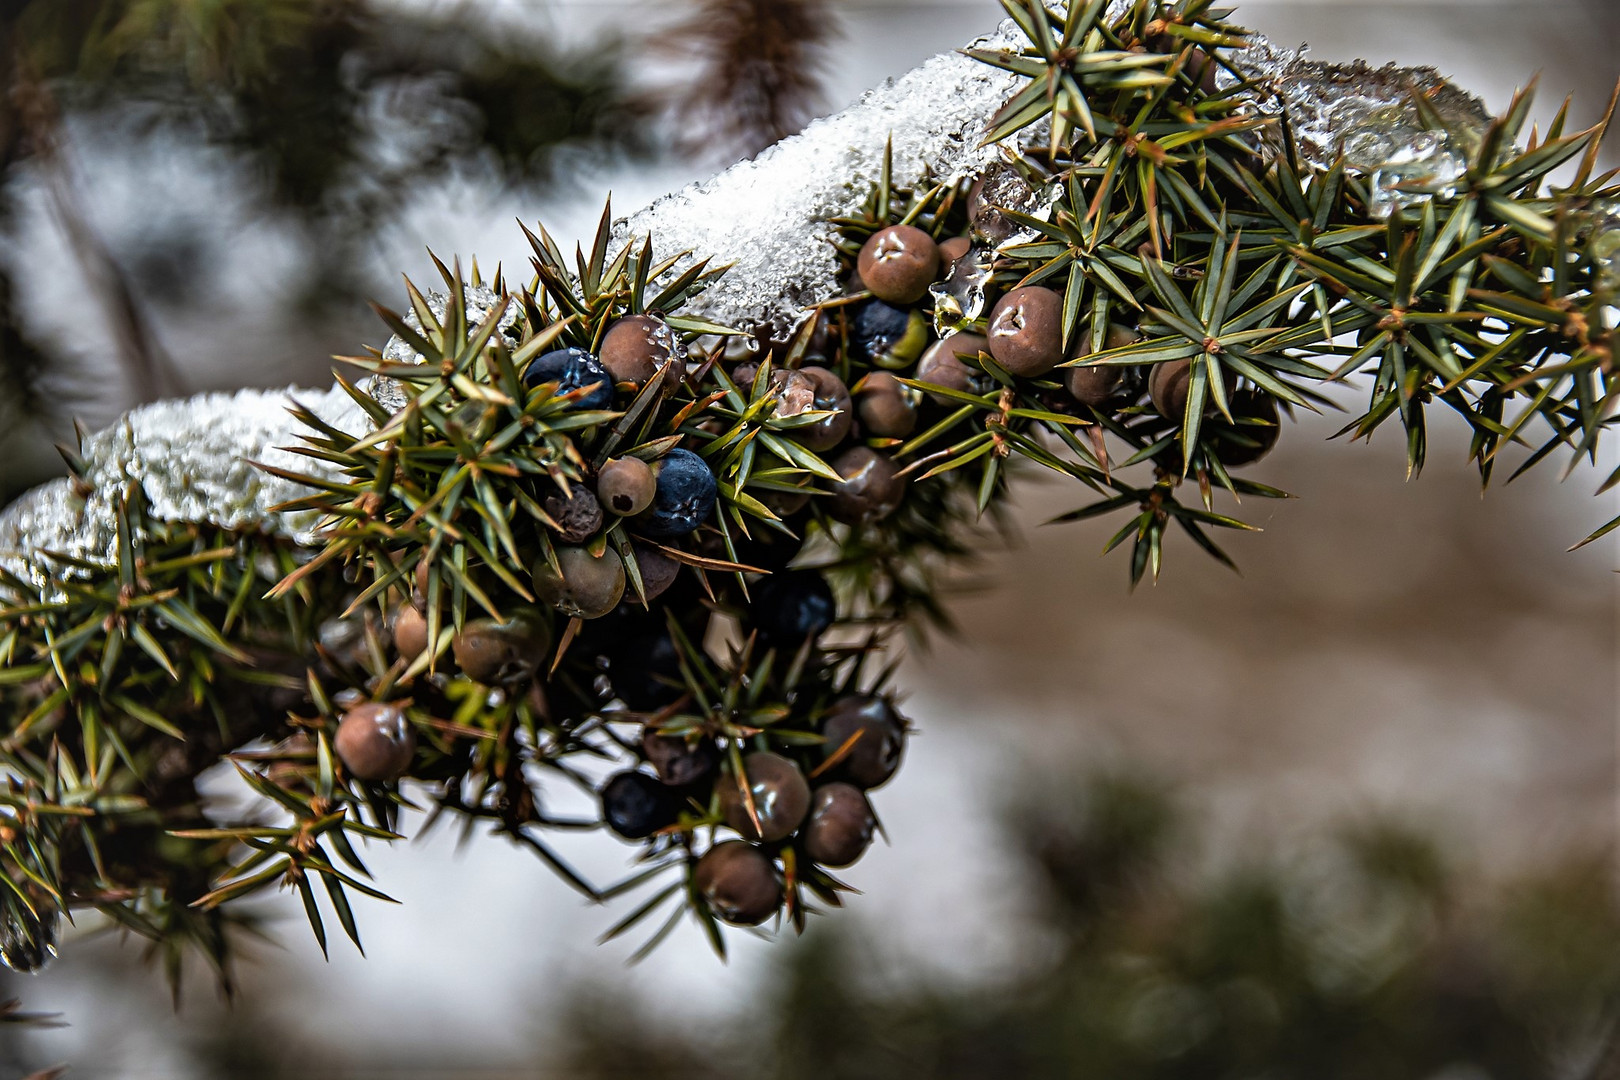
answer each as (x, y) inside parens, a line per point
(636, 805)
(875, 755)
(571, 369)
(588, 587)
(499, 652)
(780, 792)
(1252, 437)
(1095, 385)
(888, 336)
(375, 741)
(953, 249)
(626, 486)
(887, 407)
(577, 515)
(677, 760)
(637, 347)
(658, 571)
(942, 364)
(818, 389)
(791, 606)
(840, 825)
(410, 632)
(898, 264)
(1168, 385)
(683, 496)
(738, 882)
(1026, 331)
(871, 490)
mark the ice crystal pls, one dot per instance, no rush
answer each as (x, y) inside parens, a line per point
(767, 217)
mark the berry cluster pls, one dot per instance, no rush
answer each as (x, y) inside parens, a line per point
(578, 536)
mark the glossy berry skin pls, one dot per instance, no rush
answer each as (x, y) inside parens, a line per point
(636, 805)
(840, 825)
(571, 369)
(814, 389)
(887, 336)
(636, 347)
(738, 882)
(872, 488)
(898, 264)
(626, 486)
(873, 757)
(375, 741)
(502, 653)
(1026, 331)
(942, 364)
(953, 249)
(677, 761)
(791, 606)
(886, 407)
(780, 792)
(587, 588)
(1094, 386)
(578, 515)
(1168, 384)
(683, 495)
(410, 632)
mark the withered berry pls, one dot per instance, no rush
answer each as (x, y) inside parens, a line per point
(577, 514)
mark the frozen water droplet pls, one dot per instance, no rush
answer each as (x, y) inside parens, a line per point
(960, 297)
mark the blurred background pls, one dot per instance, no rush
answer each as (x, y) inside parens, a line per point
(1352, 814)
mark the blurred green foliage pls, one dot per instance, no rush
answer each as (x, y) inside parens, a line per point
(1367, 954)
(338, 112)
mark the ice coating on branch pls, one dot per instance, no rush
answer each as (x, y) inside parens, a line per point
(1330, 105)
(481, 300)
(768, 216)
(193, 459)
